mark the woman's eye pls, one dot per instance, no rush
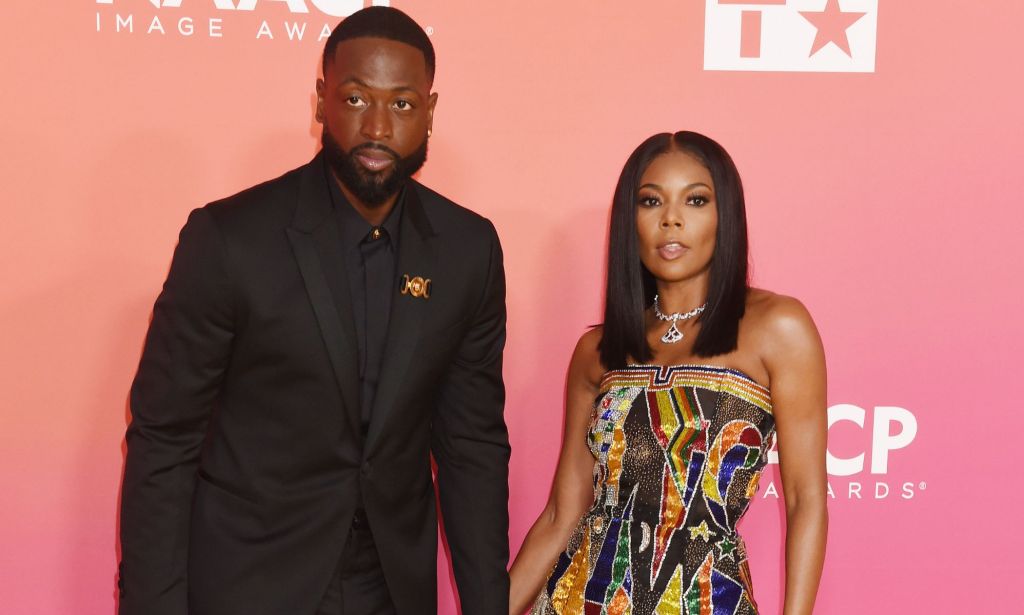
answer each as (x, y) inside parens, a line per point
(649, 201)
(698, 201)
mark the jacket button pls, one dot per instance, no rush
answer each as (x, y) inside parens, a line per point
(366, 468)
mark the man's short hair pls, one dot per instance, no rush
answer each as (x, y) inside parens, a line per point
(381, 22)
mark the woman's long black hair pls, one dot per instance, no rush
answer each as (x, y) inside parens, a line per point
(631, 286)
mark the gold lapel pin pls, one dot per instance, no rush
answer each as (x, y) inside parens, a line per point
(417, 287)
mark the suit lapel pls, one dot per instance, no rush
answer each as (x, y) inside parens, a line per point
(416, 257)
(316, 242)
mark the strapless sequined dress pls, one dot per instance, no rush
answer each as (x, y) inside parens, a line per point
(679, 454)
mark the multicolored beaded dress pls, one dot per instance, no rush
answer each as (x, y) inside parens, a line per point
(679, 454)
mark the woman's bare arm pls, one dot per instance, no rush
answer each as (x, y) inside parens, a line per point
(573, 492)
(796, 365)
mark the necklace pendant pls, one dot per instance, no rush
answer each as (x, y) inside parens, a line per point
(673, 335)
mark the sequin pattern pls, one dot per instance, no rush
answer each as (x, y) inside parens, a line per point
(679, 451)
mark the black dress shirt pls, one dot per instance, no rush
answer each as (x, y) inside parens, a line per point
(371, 255)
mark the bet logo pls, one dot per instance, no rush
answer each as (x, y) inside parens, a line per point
(791, 35)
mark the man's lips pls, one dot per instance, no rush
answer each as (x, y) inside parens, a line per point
(374, 160)
(671, 250)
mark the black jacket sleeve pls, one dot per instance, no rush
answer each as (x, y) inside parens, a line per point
(183, 362)
(470, 446)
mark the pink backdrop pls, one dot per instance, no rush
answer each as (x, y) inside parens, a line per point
(888, 201)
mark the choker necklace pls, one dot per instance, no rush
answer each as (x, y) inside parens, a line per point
(673, 334)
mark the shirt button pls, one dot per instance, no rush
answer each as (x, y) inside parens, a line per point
(376, 233)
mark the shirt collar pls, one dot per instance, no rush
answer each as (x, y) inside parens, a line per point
(354, 227)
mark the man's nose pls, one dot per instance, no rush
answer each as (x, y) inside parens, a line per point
(376, 124)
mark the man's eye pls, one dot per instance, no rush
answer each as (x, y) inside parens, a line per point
(354, 101)
(403, 105)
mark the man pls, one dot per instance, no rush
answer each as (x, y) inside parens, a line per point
(317, 338)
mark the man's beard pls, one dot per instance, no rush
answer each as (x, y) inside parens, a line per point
(373, 188)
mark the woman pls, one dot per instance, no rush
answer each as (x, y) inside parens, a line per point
(693, 373)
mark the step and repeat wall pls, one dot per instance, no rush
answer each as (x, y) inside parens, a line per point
(879, 142)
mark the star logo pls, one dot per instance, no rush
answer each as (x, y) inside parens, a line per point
(701, 531)
(726, 548)
(832, 24)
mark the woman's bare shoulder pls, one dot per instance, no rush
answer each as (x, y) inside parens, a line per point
(586, 359)
(780, 322)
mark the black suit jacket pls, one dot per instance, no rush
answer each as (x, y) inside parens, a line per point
(245, 455)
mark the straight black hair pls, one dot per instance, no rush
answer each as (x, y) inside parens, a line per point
(381, 22)
(631, 287)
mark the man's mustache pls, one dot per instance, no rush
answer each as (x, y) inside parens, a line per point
(367, 147)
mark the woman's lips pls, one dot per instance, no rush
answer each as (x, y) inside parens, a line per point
(374, 163)
(671, 251)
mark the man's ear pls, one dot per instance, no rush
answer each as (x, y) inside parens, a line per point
(320, 101)
(431, 102)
